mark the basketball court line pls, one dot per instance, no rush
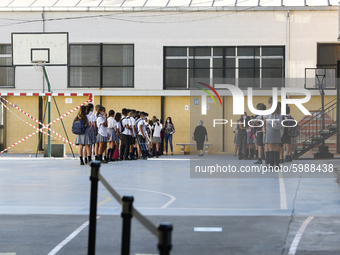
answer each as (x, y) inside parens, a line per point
(283, 196)
(297, 238)
(172, 198)
(69, 238)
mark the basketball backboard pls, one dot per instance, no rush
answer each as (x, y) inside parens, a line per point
(50, 48)
(320, 78)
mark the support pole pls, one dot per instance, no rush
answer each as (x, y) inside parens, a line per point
(49, 112)
(62, 122)
(126, 215)
(95, 165)
(164, 238)
(36, 154)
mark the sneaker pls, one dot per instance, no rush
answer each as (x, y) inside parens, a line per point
(82, 163)
(259, 161)
(103, 162)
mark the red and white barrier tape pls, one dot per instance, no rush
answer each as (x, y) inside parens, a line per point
(47, 94)
(44, 126)
(62, 138)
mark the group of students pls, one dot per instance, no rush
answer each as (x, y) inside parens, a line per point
(137, 135)
(265, 138)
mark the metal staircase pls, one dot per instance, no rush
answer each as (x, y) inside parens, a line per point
(313, 131)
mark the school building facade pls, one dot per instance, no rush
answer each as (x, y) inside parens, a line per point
(143, 54)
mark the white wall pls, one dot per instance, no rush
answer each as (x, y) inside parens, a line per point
(151, 31)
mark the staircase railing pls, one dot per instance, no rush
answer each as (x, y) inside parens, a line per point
(311, 131)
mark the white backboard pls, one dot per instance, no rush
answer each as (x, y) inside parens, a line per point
(51, 48)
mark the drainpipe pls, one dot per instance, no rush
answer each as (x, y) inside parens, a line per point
(339, 23)
(287, 46)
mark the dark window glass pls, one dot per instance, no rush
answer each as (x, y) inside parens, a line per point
(85, 55)
(176, 78)
(272, 73)
(272, 51)
(249, 73)
(117, 77)
(7, 71)
(230, 73)
(7, 76)
(202, 73)
(248, 51)
(117, 55)
(175, 51)
(217, 62)
(218, 51)
(85, 77)
(200, 63)
(246, 63)
(101, 65)
(230, 51)
(218, 73)
(5, 55)
(176, 63)
(230, 62)
(200, 52)
(272, 63)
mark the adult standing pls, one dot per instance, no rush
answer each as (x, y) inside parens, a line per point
(200, 134)
(168, 132)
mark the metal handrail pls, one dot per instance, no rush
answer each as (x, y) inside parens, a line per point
(310, 129)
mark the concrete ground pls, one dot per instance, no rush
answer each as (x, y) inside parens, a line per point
(42, 201)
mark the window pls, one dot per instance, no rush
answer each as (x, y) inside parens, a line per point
(243, 66)
(101, 65)
(7, 73)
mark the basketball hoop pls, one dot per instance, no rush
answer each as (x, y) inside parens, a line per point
(38, 64)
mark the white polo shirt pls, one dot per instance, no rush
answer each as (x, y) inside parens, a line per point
(101, 129)
(126, 121)
(133, 123)
(141, 122)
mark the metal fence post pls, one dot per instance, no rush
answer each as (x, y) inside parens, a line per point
(126, 232)
(95, 165)
(164, 238)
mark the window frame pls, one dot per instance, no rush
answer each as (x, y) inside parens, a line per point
(11, 65)
(100, 66)
(224, 67)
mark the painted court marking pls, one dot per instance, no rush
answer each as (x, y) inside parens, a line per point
(298, 236)
(283, 197)
(69, 238)
(172, 198)
(200, 229)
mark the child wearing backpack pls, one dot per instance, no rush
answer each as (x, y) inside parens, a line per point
(79, 128)
(111, 125)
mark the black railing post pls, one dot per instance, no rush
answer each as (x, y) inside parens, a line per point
(95, 165)
(164, 238)
(126, 232)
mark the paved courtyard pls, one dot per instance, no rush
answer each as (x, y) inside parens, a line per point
(43, 201)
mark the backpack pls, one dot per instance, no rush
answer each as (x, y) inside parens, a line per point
(78, 127)
(294, 131)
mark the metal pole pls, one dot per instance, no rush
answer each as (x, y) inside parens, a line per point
(95, 165)
(40, 137)
(55, 102)
(323, 109)
(126, 215)
(164, 238)
(49, 112)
